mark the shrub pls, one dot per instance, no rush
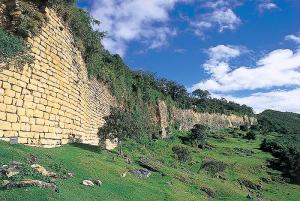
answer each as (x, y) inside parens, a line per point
(134, 124)
(251, 135)
(213, 166)
(243, 127)
(287, 152)
(10, 45)
(198, 135)
(183, 154)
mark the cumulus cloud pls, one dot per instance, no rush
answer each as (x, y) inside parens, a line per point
(219, 56)
(220, 16)
(281, 100)
(266, 5)
(294, 38)
(278, 68)
(129, 20)
(272, 83)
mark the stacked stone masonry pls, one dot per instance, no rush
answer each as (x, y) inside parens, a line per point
(188, 118)
(52, 101)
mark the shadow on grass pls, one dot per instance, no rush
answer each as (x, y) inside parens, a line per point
(91, 148)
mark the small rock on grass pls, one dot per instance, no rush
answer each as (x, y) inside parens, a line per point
(40, 169)
(98, 183)
(88, 183)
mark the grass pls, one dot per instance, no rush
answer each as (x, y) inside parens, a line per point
(176, 182)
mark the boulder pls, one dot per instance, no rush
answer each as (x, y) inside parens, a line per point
(88, 183)
(150, 164)
(11, 171)
(208, 191)
(40, 169)
(141, 173)
(249, 184)
(29, 183)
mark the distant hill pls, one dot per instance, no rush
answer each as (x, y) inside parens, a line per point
(282, 122)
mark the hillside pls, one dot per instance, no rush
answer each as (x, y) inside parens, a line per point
(175, 181)
(280, 121)
(61, 89)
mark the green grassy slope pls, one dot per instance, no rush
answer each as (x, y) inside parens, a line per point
(178, 181)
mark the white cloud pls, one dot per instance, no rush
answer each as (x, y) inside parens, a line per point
(281, 100)
(278, 68)
(220, 18)
(267, 5)
(226, 19)
(218, 57)
(293, 38)
(128, 20)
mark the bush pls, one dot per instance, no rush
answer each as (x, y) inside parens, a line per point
(287, 152)
(134, 124)
(198, 135)
(213, 166)
(10, 45)
(251, 135)
(183, 154)
(244, 128)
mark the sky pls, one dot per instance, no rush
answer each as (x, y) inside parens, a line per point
(247, 51)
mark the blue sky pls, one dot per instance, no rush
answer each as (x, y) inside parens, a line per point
(244, 50)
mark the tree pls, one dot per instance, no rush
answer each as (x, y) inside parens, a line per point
(251, 135)
(183, 154)
(134, 124)
(202, 94)
(198, 135)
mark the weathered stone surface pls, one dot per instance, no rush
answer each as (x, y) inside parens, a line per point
(141, 173)
(98, 183)
(28, 183)
(88, 183)
(54, 97)
(150, 164)
(40, 169)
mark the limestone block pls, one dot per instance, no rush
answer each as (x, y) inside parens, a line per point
(11, 118)
(9, 134)
(38, 113)
(11, 109)
(16, 126)
(2, 116)
(7, 100)
(9, 93)
(2, 107)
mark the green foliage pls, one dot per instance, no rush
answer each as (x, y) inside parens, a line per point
(281, 122)
(251, 135)
(213, 166)
(198, 135)
(244, 128)
(202, 94)
(25, 17)
(287, 150)
(134, 124)
(222, 106)
(285, 145)
(182, 153)
(10, 45)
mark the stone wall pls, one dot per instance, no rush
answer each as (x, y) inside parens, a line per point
(52, 101)
(188, 118)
